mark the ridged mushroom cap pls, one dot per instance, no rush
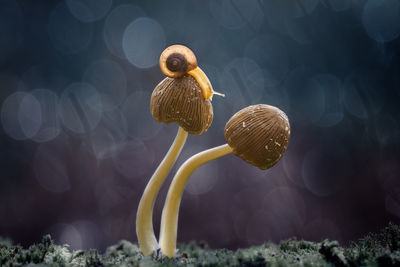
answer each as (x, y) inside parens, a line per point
(259, 134)
(181, 100)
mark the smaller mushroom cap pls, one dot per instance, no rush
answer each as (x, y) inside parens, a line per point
(181, 100)
(259, 134)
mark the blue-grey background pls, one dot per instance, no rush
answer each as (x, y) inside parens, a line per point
(78, 142)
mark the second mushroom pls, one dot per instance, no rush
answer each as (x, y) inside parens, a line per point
(258, 134)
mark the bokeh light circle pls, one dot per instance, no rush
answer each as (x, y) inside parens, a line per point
(21, 115)
(333, 94)
(29, 115)
(89, 10)
(108, 135)
(381, 19)
(293, 158)
(136, 110)
(80, 107)
(110, 81)
(353, 101)
(285, 203)
(235, 14)
(244, 82)
(307, 100)
(143, 42)
(50, 127)
(68, 34)
(66, 234)
(115, 25)
(204, 178)
(269, 52)
(130, 157)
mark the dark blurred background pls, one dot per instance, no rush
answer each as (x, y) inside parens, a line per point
(78, 142)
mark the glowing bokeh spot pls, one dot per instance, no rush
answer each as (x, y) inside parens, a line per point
(89, 10)
(143, 41)
(136, 110)
(68, 234)
(109, 135)
(237, 13)
(270, 53)
(110, 81)
(115, 26)
(353, 101)
(245, 81)
(68, 34)
(130, 157)
(333, 94)
(307, 100)
(381, 19)
(80, 107)
(50, 126)
(204, 178)
(21, 115)
(29, 115)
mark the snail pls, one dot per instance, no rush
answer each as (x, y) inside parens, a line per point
(258, 134)
(184, 97)
(178, 60)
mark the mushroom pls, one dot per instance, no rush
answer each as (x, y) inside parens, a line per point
(184, 98)
(259, 134)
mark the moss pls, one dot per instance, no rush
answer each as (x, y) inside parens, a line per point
(379, 249)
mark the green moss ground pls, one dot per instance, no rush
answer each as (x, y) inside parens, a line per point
(381, 249)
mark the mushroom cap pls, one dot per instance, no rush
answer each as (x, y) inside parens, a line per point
(259, 134)
(181, 100)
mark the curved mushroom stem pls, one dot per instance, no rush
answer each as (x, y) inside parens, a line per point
(144, 218)
(169, 219)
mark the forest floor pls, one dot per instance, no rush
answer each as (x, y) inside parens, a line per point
(376, 249)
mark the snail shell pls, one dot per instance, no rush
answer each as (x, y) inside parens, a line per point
(181, 101)
(259, 134)
(177, 60)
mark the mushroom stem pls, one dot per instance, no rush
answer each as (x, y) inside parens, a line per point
(144, 218)
(169, 219)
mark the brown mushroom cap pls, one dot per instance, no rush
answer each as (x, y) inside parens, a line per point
(258, 134)
(181, 100)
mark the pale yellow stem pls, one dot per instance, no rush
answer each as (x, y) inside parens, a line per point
(144, 218)
(169, 219)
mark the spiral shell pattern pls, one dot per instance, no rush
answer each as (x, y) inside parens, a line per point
(177, 60)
